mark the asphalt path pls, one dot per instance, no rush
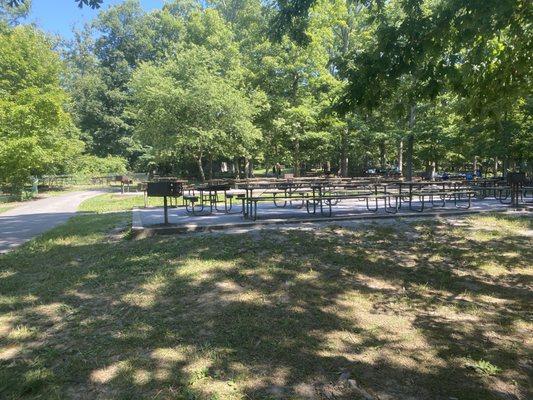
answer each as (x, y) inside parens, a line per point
(30, 219)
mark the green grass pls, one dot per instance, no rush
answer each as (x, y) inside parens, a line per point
(118, 202)
(7, 202)
(4, 208)
(408, 310)
(258, 172)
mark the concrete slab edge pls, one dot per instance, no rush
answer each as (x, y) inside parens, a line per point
(139, 231)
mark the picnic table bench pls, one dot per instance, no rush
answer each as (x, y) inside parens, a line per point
(392, 200)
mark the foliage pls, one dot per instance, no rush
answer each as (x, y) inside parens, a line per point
(417, 50)
(91, 165)
(347, 85)
(484, 367)
(196, 103)
(37, 134)
(185, 107)
(100, 70)
(12, 13)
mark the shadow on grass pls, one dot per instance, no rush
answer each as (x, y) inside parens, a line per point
(275, 314)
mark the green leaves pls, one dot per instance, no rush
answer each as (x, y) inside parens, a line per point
(199, 80)
(36, 133)
(197, 101)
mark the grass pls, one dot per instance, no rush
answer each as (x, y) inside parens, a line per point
(116, 202)
(4, 208)
(393, 311)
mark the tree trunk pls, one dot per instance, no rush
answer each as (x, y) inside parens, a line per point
(432, 170)
(246, 166)
(474, 164)
(495, 167)
(410, 143)
(267, 169)
(505, 166)
(427, 172)
(400, 157)
(250, 168)
(382, 160)
(344, 153)
(295, 82)
(210, 166)
(297, 158)
(200, 168)
(504, 145)
(236, 168)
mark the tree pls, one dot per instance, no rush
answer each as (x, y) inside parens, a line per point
(36, 132)
(480, 50)
(340, 26)
(348, 84)
(295, 79)
(196, 103)
(101, 68)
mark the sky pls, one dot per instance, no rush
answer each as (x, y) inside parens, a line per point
(60, 16)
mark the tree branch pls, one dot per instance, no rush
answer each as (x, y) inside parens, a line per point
(91, 3)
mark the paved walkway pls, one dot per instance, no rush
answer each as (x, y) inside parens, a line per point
(23, 223)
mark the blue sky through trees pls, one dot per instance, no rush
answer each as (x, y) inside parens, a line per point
(60, 16)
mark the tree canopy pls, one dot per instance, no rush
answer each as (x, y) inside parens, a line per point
(36, 131)
(403, 86)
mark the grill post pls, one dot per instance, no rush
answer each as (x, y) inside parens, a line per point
(516, 180)
(165, 205)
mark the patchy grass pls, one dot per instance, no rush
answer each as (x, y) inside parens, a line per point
(422, 309)
(485, 367)
(4, 208)
(7, 202)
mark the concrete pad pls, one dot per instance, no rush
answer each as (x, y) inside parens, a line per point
(149, 221)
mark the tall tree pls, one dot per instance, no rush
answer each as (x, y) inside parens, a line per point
(197, 103)
(36, 133)
(479, 48)
(102, 67)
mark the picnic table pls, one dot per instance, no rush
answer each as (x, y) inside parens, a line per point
(207, 195)
(323, 195)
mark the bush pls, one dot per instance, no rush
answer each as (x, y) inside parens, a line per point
(90, 165)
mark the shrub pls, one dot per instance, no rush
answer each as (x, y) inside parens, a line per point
(90, 165)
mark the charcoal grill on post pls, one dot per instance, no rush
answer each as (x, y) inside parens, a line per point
(164, 190)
